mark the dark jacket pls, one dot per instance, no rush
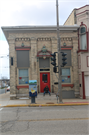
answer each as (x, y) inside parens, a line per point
(46, 89)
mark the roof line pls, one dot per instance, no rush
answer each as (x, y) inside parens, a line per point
(81, 7)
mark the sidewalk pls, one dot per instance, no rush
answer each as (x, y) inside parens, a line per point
(40, 101)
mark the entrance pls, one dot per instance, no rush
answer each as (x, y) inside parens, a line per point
(44, 80)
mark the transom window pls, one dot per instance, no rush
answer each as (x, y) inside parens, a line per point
(66, 76)
(23, 76)
(83, 43)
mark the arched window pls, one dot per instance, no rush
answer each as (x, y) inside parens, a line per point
(83, 43)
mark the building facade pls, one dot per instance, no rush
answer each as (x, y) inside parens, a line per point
(80, 17)
(30, 49)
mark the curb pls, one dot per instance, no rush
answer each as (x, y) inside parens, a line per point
(44, 105)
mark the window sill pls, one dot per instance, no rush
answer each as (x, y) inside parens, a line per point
(82, 51)
(68, 85)
(22, 86)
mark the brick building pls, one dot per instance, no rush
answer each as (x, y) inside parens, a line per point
(30, 49)
(80, 17)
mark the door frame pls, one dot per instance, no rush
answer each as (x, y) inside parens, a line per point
(39, 79)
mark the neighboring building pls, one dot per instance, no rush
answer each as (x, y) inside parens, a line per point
(80, 17)
(30, 49)
(4, 82)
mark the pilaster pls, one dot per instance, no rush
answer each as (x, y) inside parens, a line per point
(12, 68)
(75, 66)
(33, 58)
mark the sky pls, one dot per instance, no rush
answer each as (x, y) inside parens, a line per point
(30, 12)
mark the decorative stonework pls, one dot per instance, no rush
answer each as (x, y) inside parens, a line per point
(44, 39)
(44, 52)
(64, 44)
(66, 39)
(22, 39)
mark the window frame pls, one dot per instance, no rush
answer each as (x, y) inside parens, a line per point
(66, 75)
(26, 68)
(80, 37)
(45, 78)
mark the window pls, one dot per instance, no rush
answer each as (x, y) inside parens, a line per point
(23, 76)
(23, 58)
(44, 69)
(83, 44)
(66, 77)
(44, 78)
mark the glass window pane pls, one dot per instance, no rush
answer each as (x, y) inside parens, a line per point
(23, 80)
(23, 72)
(20, 72)
(82, 30)
(44, 78)
(66, 79)
(83, 42)
(23, 76)
(66, 71)
(44, 69)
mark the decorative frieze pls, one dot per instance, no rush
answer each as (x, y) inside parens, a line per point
(22, 39)
(66, 39)
(49, 39)
(44, 39)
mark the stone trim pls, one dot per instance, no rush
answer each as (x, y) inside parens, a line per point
(68, 85)
(14, 95)
(76, 92)
(22, 95)
(44, 39)
(22, 39)
(22, 48)
(22, 86)
(66, 39)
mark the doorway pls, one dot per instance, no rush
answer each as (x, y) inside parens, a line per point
(44, 80)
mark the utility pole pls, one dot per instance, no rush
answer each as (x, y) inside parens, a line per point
(59, 50)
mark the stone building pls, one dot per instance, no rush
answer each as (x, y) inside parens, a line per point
(80, 17)
(30, 49)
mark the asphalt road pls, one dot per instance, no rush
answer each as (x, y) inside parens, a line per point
(61, 120)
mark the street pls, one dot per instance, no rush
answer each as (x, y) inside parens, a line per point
(44, 120)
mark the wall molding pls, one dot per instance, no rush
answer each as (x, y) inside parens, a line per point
(22, 39)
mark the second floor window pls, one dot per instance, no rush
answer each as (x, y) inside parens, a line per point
(83, 43)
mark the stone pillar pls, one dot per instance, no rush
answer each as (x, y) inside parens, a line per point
(33, 59)
(12, 68)
(54, 49)
(75, 66)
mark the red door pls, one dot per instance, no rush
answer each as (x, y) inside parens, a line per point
(44, 80)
